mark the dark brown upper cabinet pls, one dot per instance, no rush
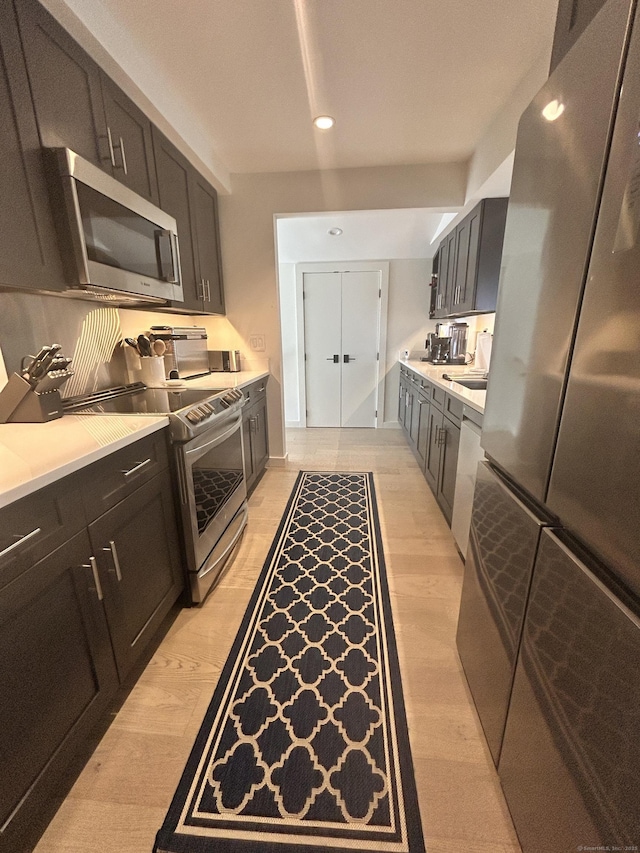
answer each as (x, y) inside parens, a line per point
(55, 96)
(573, 18)
(205, 208)
(130, 143)
(470, 261)
(78, 107)
(66, 86)
(174, 179)
(193, 203)
(29, 255)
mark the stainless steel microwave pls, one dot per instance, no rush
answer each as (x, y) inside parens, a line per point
(123, 247)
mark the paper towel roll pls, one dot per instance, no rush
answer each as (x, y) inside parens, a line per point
(483, 351)
(3, 372)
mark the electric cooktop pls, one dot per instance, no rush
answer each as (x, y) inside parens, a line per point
(191, 411)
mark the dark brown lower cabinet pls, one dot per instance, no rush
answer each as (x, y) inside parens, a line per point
(255, 436)
(432, 453)
(57, 676)
(430, 419)
(449, 446)
(421, 404)
(78, 608)
(136, 549)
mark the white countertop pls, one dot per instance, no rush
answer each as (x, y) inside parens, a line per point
(34, 455)
(475, 399)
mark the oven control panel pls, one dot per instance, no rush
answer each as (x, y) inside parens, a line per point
(201, 415)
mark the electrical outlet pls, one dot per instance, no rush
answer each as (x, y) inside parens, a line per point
(257, 343)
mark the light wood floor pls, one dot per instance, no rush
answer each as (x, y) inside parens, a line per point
(120, 800)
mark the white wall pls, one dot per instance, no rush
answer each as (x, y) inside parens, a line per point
(290, 343)
(408, 323)
(248, 244)
(499, 139)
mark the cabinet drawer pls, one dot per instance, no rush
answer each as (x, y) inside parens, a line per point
(255, 392)
(110, 480)
(438, 396)
(453, 409)
(35, 526)
(469, 414)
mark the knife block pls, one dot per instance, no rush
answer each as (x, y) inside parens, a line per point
(19, 403)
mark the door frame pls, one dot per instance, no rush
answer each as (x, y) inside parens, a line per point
(381, 267)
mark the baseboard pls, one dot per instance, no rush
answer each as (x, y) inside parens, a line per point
(390, 425)
(278, 461)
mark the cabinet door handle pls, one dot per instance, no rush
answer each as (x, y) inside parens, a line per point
(260, 390)
(96, 577)
(335, 358)
(111, 151)
(136, 468)
(114, 556)
(21, 541)
(123, 157)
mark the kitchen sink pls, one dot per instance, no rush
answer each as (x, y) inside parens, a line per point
(474, 384)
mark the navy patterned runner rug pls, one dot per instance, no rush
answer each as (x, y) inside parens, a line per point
(304, 747)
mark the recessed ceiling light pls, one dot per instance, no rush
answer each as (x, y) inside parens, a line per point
(335, 232)
(324, 122)
(553, 110)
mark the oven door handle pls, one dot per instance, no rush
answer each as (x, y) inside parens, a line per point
(214, 441)
(241, 521)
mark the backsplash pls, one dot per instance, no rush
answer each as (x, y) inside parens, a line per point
(92, 334)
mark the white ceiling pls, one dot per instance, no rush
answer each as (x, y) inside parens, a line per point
(367, 235)
(408, 81)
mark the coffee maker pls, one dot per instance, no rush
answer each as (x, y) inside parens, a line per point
(448, 345)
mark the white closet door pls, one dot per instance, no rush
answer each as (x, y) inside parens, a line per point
(360, 332)
(322, 339)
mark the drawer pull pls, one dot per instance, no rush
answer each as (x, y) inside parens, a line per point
(20, 541)
(96, 577)
(136, 468)
(260, 389)
(114, 556)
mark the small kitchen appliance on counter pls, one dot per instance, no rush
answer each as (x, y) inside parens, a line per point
(185, 350)
(227, 360)
(448, 345)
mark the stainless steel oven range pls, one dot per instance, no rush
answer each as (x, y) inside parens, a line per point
(206, 435)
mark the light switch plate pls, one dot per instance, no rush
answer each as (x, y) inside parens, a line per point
(257, 343)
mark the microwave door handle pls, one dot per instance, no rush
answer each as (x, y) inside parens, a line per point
(74, 214)
(175, 258)
(165, 237)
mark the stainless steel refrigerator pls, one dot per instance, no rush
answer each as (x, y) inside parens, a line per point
(549, 634)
